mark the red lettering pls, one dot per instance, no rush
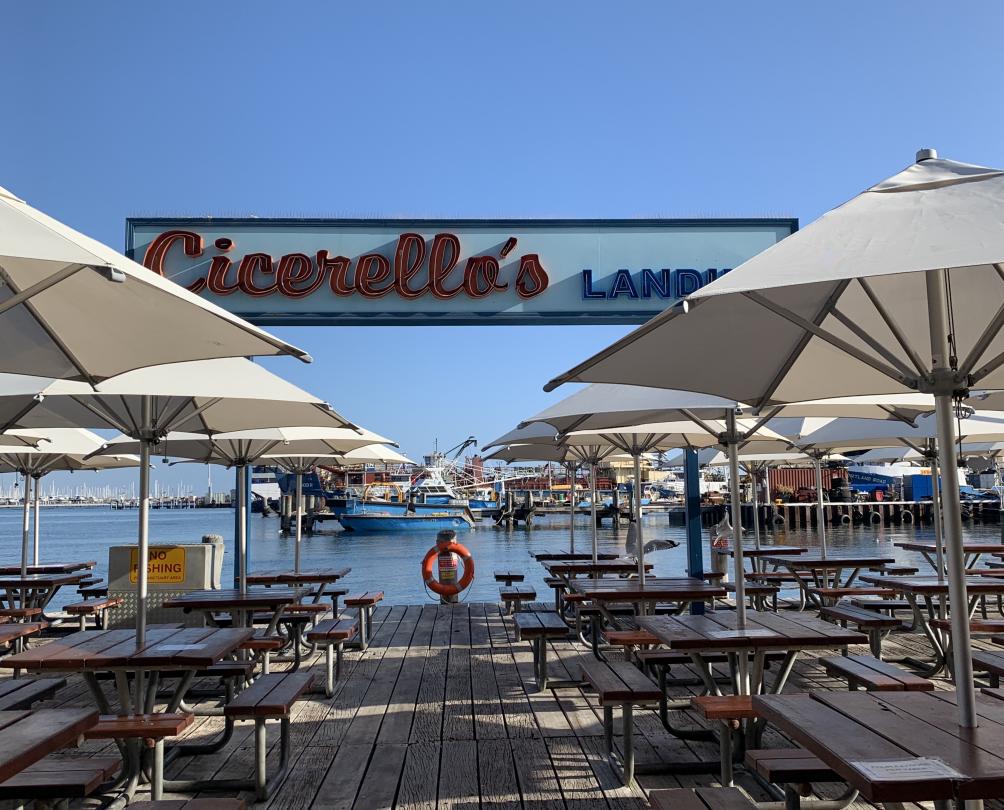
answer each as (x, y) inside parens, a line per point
(373, 269)
(217, 281)
(338, 267)
(481, 277)
(443, 257)
(295, 277)
(156, 252)
(531, 278)
(408, 260)
(251, 262)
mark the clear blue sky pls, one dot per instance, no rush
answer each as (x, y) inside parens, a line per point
(558, 109)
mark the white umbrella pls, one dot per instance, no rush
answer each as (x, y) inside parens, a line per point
(206, 396)
(73, 308)
(893, 455)
(58, 449)
(852, 305)
(239, 449)
(372, 454)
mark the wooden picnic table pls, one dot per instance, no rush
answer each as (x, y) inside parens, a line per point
(571, 568)
(972, 551)
(29, 736)
(861, 734)
(563, 554)
(718, 632)
(32, 591)
(50, 567)
(316, 576)
(756, 555)
(923, 593)
(826, 571)
(240, 605)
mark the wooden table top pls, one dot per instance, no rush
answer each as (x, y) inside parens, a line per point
(14, 630)
(563, 554)
(718, 630)
(765, 551)
(316, 575)
(233, 599)
(849, 730)
(95, 650)
(570, 567)
(818, 561)
(929, 584)
(50, 567)
(968, 548)
(28, 736)
(654, 590)
(53, 580)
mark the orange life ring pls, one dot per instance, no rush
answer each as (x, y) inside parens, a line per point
(434, 584)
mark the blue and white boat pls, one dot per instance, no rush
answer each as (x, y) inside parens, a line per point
(377, 522)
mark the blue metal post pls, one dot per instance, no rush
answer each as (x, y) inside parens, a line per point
(247, 500)
(692, 518)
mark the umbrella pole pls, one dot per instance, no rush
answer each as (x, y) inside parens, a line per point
(34, 520)
(25, 529)
(732, 446)
(939, 537)
(820, 509)
(756, 510)
(242, 529)
(571, 509)
(958, 596)
(143, 555)
(637, 522)
(592, 508)
(299, 520)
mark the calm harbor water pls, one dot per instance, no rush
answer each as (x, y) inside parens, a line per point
(392, 562)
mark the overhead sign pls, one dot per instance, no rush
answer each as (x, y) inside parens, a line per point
(447, 271)
(165, 565)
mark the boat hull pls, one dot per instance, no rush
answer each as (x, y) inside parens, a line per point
(368, 523)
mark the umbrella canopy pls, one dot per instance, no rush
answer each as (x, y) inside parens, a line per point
(202, 396)
(58, 449)
(892, 455)
(296, 449)
(73, 308)
(898, 290)
(372, 454)
(862, 434)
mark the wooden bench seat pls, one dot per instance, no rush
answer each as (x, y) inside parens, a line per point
(619, 683)
(896, 570)
(704, 798)
(365, 602)
(263, 645)
(789, 766)
(332, 635)
(870, 622)
(758, 593)
(60, 777)
(780, 576)
(14, 634)
(23, 693)
(833, 594)
(20, 613)
(509, 577)
(724, 707)
(97, 607)
(874, 675)
(629, 640)
(190, 804)
(991, 662)
(513, 596)
(538, 628)
(270, 697)
(98, 589)
(976, 626)
(870, 603)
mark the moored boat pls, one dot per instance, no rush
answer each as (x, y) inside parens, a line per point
(385, 522)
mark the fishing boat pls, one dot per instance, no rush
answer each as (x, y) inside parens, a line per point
(385, 522)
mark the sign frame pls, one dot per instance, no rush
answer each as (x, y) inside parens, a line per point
(624, 315)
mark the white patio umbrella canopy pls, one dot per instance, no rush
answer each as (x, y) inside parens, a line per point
(58, 449)
(73, 308)
(898, 290)
(204, 396)
(240, 449)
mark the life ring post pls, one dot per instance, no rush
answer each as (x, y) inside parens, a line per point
(448, 553)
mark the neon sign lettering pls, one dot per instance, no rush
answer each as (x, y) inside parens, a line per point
(414, 270)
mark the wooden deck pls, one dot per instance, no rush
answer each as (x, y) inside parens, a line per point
(441, 711)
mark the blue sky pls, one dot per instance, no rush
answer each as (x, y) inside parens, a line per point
(555, 109)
